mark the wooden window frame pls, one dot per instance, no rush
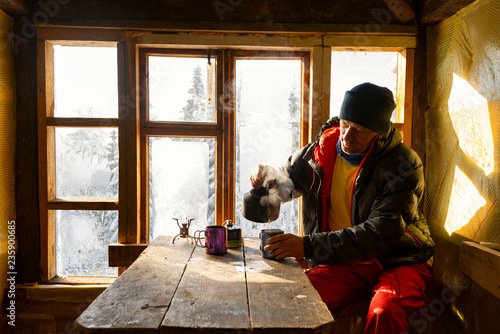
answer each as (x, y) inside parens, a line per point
(173, 129)
(223, 130)
(47, 124)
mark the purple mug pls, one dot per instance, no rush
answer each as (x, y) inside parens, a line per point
(215, 239)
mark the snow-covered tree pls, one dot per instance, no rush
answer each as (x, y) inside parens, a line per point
(294, 110)
(294, 113)
(195, 109)
(106, 226)
(153, 191)
(89, 169)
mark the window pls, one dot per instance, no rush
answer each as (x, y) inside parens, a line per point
(134, 135)
(180, 136)
(203, 130)
(81, 146)
(351, 68)
(268, 117)
(383, 68)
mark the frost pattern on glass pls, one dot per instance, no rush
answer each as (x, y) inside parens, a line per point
(82, 239)
(178, 89)
(86, 163)
(181, 184)
(85, 82)
(351, 68)
(267, 129)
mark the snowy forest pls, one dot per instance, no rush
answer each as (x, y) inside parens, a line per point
(181, 175)
(86, 167)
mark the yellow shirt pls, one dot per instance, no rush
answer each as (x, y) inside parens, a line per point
(339, 209)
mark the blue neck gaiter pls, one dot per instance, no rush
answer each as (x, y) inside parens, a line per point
(352, 159)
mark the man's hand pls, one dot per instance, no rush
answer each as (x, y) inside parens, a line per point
(263, 176)
(285, 245)
(257, 177)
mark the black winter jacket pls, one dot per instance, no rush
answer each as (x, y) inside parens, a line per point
(387, 224)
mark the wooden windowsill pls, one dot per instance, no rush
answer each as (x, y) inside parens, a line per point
(81, 280)
(46, 303)
(123, 255)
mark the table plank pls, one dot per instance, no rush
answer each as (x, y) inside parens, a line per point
(281, 298)
(211, 297)
(139, 298)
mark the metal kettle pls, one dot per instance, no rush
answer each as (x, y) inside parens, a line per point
(252, 210)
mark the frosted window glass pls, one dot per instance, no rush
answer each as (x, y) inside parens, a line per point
(181, 184)
(82, 239)
(267, 128)
(178, 89)
(85, 82)
(353, 68)
(86, 162)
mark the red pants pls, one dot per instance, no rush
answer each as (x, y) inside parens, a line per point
(395, 293)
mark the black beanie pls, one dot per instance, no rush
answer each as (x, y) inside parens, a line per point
(370, 106)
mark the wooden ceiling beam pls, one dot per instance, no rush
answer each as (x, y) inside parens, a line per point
(401, 9)
(14, 7)
(234, 27)
(263, 12)
(432, 12)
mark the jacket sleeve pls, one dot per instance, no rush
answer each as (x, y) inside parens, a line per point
(392, 205)
(299, 171)
(288, 180)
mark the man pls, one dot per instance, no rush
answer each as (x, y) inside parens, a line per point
(361, 188)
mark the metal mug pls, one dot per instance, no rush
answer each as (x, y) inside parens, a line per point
(264, 235)
(215, 239)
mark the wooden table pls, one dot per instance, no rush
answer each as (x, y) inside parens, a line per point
(177, 288)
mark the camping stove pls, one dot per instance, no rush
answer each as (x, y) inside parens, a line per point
(184, 229)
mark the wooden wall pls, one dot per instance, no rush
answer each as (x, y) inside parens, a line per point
(240, 11)
(28, 228)
(462, 167)
(7, 151)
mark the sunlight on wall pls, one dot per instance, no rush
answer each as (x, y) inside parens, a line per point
(470, 118)
(463, 124)
(465, 201)
(473, 129)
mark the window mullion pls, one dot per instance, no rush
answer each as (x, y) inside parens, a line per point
(409, 55)
(46, 152)
(97, 204)
(318, 115)
(229, 155)
(219, 163)
(82, 122)
(128, 138)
